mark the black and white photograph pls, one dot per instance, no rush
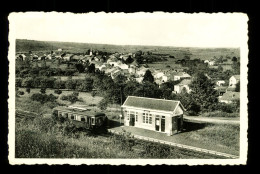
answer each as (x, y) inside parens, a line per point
(128, 88)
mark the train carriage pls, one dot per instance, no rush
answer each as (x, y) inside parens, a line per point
(82, 117)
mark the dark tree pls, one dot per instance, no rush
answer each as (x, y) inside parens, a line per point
(28, 90)
(130, 87)
(234, 59)
(91, 68)
(103, 104)
(148, 76)
(43, 90)
(129, 60)
(237, 89)
(203, 92)
(80, 67)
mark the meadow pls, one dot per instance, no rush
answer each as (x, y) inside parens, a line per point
(45, 138)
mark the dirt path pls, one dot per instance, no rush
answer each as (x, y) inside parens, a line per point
(217, 120)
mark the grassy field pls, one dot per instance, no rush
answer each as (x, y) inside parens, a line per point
(164, 65)
(218, 137)
(86, 97)
(44, 138)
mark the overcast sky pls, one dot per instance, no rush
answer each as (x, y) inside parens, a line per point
(162, 29)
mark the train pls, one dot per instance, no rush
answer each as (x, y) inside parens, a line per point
(82, 117)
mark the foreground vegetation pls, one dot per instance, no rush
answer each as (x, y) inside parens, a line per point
(45, 138)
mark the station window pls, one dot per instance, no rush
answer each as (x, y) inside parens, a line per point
(143, 117)
(147, 118)
(150, 118)
(82, 119)
(72, 117)
(128, 115)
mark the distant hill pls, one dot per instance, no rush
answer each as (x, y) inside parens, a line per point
(23, 45)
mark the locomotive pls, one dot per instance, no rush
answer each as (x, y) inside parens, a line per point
(82, 117)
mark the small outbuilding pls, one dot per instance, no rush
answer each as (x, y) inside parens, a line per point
(159, 115)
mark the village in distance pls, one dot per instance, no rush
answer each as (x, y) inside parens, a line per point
(80, 100)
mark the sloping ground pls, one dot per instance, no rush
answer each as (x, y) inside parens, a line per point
(192, 138)
(214, 120)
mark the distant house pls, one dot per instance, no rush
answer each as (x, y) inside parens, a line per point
(139, 79)
(158, 75)
(141, 71)
(165, 78)
(229, 97)
(112, 63)
(34, 57)
(159, 115)
(59, 50)
(221, 90)
(20, 57)
(234, 80)
(102, 67)
(159, 81)
(132, 70)
(180, 75)
(206, 61)
(123, 66)
(212, 63)
(67, 57)
(220, 82)
(115, 73)
(77, 57)
(184, 84)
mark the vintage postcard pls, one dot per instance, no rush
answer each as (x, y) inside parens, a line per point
(135, 89)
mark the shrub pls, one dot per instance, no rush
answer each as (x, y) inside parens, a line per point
(57, 91)
(43, 98)
(20, 93)
(43, 90)
(18, 82)
(103, 104)
(72, 98)
(28, 90)
(64, 97)
(75, 93)
(220, 114)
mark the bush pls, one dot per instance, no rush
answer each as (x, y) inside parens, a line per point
(103, 104)
(72, 98)
(57, 91)
(20, 93)
(43, 90)
(220, 114)
(75, 93)
(28, 90)
(43, 98)
(64, 97)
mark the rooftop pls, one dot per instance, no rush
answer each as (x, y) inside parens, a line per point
(151, 103)
(79, 111)
(230, 95)
(185, 82)
(237, 77)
